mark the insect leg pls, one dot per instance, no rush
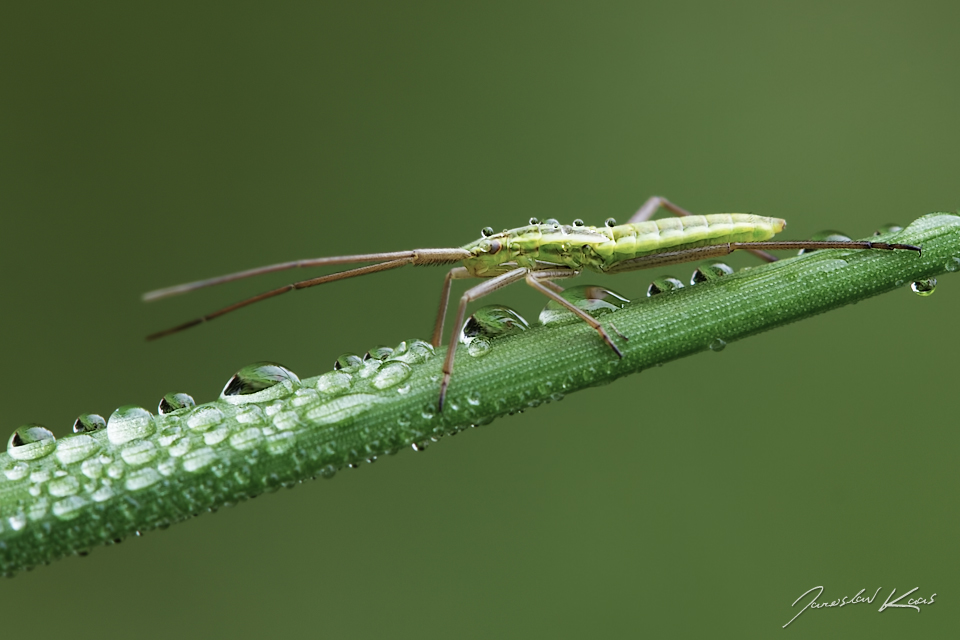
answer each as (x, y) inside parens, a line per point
(469, 295)
(653, 204)
(303, 284)
(457, 273)
(539, 281)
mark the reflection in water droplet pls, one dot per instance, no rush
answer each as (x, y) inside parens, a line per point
(31, 441)
(378, 353)
(259, 382)
(478, 347)
(888, 228)
(717, 345)
(129, 423)
(348, 362)
(666, 283)
(391, 374)
(76, 448)
(492, 321)
(710, 270)
(952, 265)
(924, 288)
(828, 235)
(88, 423)
(174, 402)
(593, 299)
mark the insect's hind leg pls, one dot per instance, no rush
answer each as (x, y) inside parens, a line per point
(457, 273)
(654, 203)
(471, 294)
(539, 280)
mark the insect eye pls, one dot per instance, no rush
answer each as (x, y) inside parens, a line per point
(495, 247)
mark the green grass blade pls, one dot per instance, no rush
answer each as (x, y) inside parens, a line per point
(151, 471)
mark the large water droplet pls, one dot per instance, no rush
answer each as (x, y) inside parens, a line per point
(31, 441)
(593, 299)
(660, 285)
(492, 321)
(390, 375)
(378, 353)
(174, 402)
(717, 345)
(129, 423)
(76, 448)
(88, 423)
(925, 287)
(259, 382)
(828, 235)
(710, 270)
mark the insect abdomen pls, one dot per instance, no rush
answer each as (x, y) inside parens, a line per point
(674, 234)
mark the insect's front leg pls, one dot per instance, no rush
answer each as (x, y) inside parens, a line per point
(469, 296)
(540, 280)
(457, 273)
(654, 203)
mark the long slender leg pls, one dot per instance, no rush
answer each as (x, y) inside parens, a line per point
(710, 251)
(468, 296)
(457, 273)
(538, 280)
(303, 284)
(653, 204)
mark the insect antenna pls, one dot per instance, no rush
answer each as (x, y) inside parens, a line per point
(419, 256)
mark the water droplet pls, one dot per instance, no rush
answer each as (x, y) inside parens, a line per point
(76, 448)
(246, 439)
(924, 288)
(142, 478)
(334, 383)
(88, 423)
(69, 508)
(553, 222)
(328, 471)
(129, 423)
(593, 299)
(251, 414)
(348, 362)
(174, 402)
(139, 453)
(412, 352)
(710, 270)
(420, 446)
(952, 265)
(828, 235)
(280, 443)
(204, 417)
(610, 222)
(341, 408)
(63, 487)
(534, 221)
(391, 375)
(665, 283)
(478, 347)
(486, 232)
(31, 441)
(16, 470)
(492, 321)
(304, 397)
(92, 468)
(378, 353)
(102, 494)
(197, 460)
(888, 228)
(474, 398)
(717, 345)
(260, 382)
(578, 222)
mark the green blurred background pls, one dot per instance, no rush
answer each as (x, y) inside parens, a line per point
(141, 147)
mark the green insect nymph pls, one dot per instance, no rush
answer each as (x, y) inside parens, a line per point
(540, 253)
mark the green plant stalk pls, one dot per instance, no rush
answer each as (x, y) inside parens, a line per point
(100, 487)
